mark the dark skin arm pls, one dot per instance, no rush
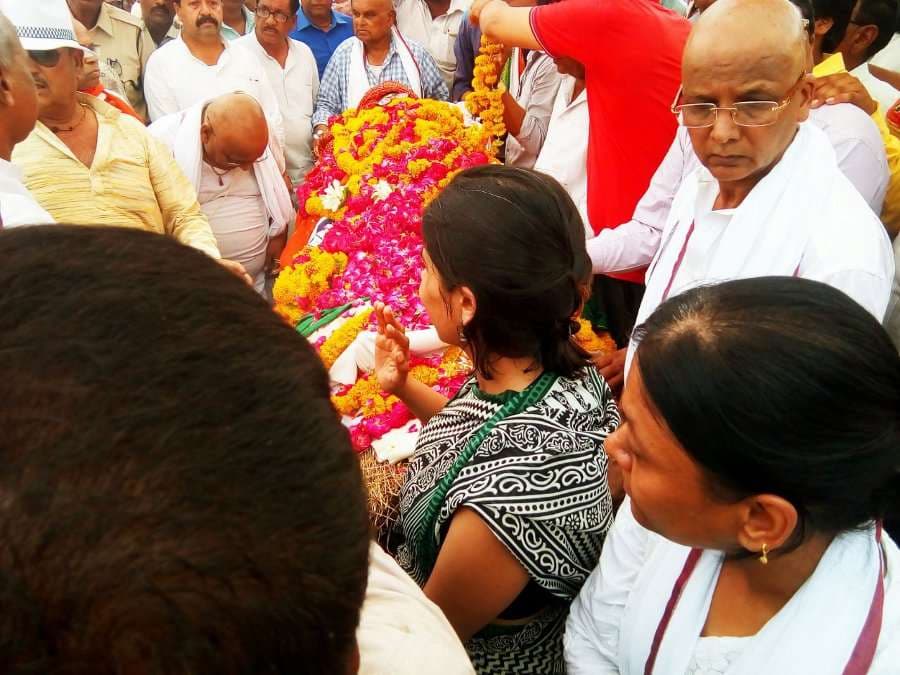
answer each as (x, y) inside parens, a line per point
(475, 577)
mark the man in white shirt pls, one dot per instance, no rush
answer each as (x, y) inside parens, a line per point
(533, 83)
(434, 24)
(291, 69)
(200, 65)
(564, 153)
(223, 146)
(769, 198)
(18, 114)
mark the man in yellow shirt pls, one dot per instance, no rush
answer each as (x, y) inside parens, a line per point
(86, 163)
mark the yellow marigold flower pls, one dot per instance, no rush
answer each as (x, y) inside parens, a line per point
(341, 338)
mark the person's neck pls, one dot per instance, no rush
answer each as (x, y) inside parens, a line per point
(61, 115)
(278, 51)
(158, 33)
(376, 52)
(437, 7)
(234, 17)
(778, 581)
(89, 19)
(207, 50)
(508, 375)
(577, 89)
(322, 22)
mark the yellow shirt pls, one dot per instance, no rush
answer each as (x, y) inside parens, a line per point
(133, 181)
(890, 212)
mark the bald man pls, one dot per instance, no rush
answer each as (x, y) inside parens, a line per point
(225, 147)
(769, 198)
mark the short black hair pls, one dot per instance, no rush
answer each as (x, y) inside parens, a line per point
(179, 496)
(839, 12)
(515, 238)
(783, 386)
(879, 13)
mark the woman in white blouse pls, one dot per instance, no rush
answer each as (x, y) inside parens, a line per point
(760, 445)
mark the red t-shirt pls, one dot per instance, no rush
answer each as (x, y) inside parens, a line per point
(631, 51)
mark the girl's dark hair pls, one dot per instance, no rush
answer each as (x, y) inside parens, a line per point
(782, 386)
(515, 239)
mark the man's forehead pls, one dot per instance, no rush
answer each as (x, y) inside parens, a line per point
(738, 70)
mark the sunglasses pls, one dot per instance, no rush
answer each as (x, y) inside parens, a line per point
(46, 58)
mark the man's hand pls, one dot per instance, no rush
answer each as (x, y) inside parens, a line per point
(842, 88)
(237, 270)
(318, 136)
(273, 251)
(612, 367)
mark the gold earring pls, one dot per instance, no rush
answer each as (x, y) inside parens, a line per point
(764, 558)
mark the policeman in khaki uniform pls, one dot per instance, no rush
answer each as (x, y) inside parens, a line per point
(117, 39)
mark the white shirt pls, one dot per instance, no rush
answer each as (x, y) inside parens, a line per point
(233, 203)
(564, 154)
(176, 79)
(437, 35)
(880, 90)
(632, 245)
(535, 90)
(17, 206)
(892, 322)
(889, 57)
(401, 632)
(296, 87)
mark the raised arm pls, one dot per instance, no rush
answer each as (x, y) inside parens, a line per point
(500, 22)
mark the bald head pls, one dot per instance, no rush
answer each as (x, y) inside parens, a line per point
(769, 35)
(235, 132)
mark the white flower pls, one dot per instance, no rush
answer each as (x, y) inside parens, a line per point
(334, 196)
(381, 191)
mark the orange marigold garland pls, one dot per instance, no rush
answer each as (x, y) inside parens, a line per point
(485, 101)
(591, 341)
(336, 343)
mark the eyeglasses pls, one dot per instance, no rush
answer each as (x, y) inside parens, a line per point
(264, 12)
(46, 58)
(743, 113)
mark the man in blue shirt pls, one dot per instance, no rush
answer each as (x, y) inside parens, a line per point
(321, 29)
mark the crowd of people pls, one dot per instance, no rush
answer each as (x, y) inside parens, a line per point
(718, 180)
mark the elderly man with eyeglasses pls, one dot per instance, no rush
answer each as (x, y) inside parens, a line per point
(291, 69)
(224, 147)
(769, 198)
(86, 162)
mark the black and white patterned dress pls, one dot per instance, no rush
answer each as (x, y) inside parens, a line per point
(538, 481)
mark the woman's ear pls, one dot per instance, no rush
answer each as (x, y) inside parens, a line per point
(466, 305)
(767, 519)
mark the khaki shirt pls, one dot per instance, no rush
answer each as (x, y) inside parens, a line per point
(133, 181)
(120, 46)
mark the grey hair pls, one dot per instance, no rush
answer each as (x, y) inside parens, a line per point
(9, 42)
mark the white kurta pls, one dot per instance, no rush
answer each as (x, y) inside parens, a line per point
(296, 87)
(176, 79)
(803, 219)
(437, 35)
(564, 153)
(17, 206)
(237, 215)
(401, 632)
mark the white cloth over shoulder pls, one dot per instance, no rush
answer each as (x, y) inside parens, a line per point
(401, 632)
(614, 619)
(17, 206)
(803, 219)
(181, 132)
(358, 80)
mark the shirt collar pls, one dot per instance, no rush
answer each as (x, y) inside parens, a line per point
(830, 65)
(104, 21)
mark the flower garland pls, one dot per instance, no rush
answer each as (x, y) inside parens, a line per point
(485, 101)
(300, 284)
(336, 343)
(591, 341)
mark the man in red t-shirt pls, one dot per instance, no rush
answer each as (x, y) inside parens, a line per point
(631, 50)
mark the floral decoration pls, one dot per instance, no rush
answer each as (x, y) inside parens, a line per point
(485, 101)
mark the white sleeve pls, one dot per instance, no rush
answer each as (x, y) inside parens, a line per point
(592, 630)
(160, 98)
(865, 169)
(869, 289)
(632, 245)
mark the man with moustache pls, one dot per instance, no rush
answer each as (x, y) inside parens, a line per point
(157, 25)
(291, 69)
(199, 65)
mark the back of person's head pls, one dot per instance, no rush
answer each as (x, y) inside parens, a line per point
(882, 14)
(179, 496)
(781, 386)
(838, 12)
(515, 239)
